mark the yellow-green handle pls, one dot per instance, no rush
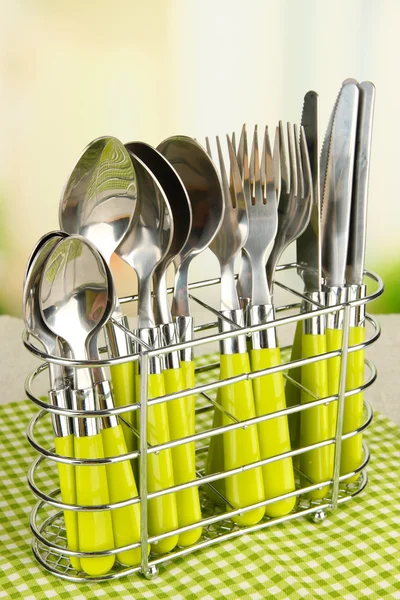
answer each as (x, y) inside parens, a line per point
(95, 528)
(292, 392)
(273, 435)
(162, 511)
(183, 457)
(215, 458)
(334, 339)
(122, 486)
(187, 368)
(241, 446)
(65, 447)
(123, 383)
(352, 452)
(314, 422)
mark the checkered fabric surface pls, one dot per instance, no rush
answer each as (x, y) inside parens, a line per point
(354, 553)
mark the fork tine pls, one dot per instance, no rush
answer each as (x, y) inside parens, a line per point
(236, 186)
(300, 178)
(233, 142)
(263, 167)
(208, 147)
(224, 177)
(283, 161)
(292, 162)
(243, 163)
(277, 164)
(268, 165)
(306, 163)
(255, 174)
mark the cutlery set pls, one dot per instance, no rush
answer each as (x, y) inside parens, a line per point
(161, 207)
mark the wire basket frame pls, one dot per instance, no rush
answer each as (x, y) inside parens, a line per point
(47, 522)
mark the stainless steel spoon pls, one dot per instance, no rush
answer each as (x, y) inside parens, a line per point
(59, 393)
(98, 202)
(180, 411)
(144, 246)
(74, 298)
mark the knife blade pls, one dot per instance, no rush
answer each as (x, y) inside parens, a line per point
(335, 223)
(352, 451)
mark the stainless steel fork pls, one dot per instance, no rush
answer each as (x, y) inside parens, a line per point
(239, 447)
(295, 200)
(260, 188)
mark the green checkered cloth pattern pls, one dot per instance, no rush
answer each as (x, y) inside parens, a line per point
(354, 553)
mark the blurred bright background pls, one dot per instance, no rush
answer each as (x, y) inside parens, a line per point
(71, 71)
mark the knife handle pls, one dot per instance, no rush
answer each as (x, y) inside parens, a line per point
(293, 393)
(183, 457)
(273, 435)
(95, 528)
(314, 422)
(122, 486)
(123, 382)
(352, 451)
(334, 339)
(187, 368)
(162, 511)
(241, 446)
(215, 458)
(66, 473)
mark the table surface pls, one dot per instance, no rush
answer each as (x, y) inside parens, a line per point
(354, 553)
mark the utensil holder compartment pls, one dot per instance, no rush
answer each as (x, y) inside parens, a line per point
(47, 518)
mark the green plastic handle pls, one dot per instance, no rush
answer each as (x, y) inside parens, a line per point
(183, 457)
(334, 338)
(273, 435)
(215, 459)
(187, 368)
(95, 528)
(241, 446)
(293, 393)
(123, 383)
(352, 452)
(162, 511)
(65, 447)
(314, 423)
(122, 486)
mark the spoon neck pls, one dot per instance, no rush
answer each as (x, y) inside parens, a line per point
(162, 311)
(229, 295)
(180, 305)
(145, 309)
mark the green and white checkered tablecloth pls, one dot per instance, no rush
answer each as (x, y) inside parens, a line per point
(354, 553)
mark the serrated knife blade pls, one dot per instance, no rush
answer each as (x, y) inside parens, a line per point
(308, 245)
(338, 184)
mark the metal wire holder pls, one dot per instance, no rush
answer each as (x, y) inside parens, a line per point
(47, 522)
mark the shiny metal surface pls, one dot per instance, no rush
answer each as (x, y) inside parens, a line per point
(74, 298)
(233, 345)
(295, 202)
(98, 202)
(314, 325)
(263, 313)
(99, 197)
(338, 184)
(203, 186)
(308, 244)
(148, 237)
(181, 209)
(232, 234)
(261, 201)
(358, 218)
(58, 393)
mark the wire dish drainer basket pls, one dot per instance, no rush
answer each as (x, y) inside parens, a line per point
(47, 520)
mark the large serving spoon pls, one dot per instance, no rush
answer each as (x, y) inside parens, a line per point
(181, 410)
(74, 299)
(147, 240)
(98, 202)
(59, 393)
